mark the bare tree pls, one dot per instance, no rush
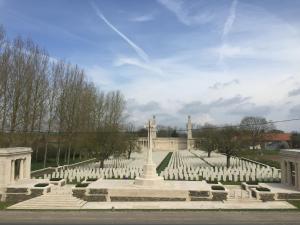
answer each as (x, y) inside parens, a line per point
(207, 137)
(255, 128)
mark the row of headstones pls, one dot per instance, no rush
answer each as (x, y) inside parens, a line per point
(77, 175)
(265, 174)
(137, 160)
(181, 167)
(271, 170)
(217, 159)
(221, 177)
(186, 158)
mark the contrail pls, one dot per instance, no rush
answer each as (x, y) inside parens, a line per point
(230, 19)
(136, 48)
(227, 27)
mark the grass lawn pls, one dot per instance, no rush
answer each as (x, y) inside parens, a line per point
(50, 163)
(295, 203)
(269, 157)
(4, 205)
(164, 163)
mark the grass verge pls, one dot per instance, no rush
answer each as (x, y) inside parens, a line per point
(295, 203)
(164, 163)
(4, 205)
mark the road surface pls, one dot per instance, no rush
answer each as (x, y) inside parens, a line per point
(150, 217)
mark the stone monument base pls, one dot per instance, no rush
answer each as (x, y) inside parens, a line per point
(156, 181)
(150, 177)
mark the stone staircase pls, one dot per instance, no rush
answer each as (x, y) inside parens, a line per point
(58, 198)
(238, 194)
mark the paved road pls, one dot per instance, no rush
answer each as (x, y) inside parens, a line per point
(154, 217)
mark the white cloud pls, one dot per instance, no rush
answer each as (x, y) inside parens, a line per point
(101, 77)
(260, 52)
(121, 61)
(143, 18)
(219, 85)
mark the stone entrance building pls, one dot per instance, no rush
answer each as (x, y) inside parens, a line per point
(290, 167)
(170, 143)
(15, 164)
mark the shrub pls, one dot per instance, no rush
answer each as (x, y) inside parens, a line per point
(56, 179)
(212, 182)
(217, 188)
(91, 179)
(262, 189)
(252, 182)
(41, 185)
(82, 185)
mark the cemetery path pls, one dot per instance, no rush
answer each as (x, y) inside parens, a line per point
(58, 198)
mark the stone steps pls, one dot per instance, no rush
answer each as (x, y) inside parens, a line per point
(58, 198)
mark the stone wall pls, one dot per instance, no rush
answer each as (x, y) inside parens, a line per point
(15, 195)
(167, 144)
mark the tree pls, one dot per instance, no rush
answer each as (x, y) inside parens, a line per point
(255, 128)
(295, 140)
(131, 141)
(229, 142)
(51, 106)
(109, 139)
(207, 137)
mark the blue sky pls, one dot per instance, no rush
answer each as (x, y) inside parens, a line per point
(215, 60)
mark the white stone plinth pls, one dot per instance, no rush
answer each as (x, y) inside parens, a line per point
(150, 177)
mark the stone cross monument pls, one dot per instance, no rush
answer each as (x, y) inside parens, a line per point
(189, 134)
(149, 177)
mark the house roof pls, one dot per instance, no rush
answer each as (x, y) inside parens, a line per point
(277, 137)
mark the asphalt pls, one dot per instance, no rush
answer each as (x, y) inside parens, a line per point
(150, 217)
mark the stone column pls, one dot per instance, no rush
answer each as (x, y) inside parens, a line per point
(296, 176)
(12, 176)
(21, 171)
(150, 144)
(283, 172)
(149, 177)
(289, 173)
(189, 133)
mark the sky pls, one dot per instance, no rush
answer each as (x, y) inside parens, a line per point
(216, 60)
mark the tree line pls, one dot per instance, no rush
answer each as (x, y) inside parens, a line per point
(229, 139)
(49, 104)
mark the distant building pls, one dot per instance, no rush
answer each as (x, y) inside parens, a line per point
(275, 141)
(170, 143)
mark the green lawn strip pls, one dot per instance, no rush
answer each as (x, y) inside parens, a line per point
(4, 205)
(51, 163)
(261, 156)
(164, 163)
(203, 159)
(231, 182)
(295, 203)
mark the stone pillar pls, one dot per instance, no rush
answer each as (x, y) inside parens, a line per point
(283, 172)
(21, 171)
(289, 173)
(189, 133)
(12, 175)
(296, 176)
(151, 126)
(149, 177)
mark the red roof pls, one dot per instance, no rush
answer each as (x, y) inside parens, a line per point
(277, 137)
